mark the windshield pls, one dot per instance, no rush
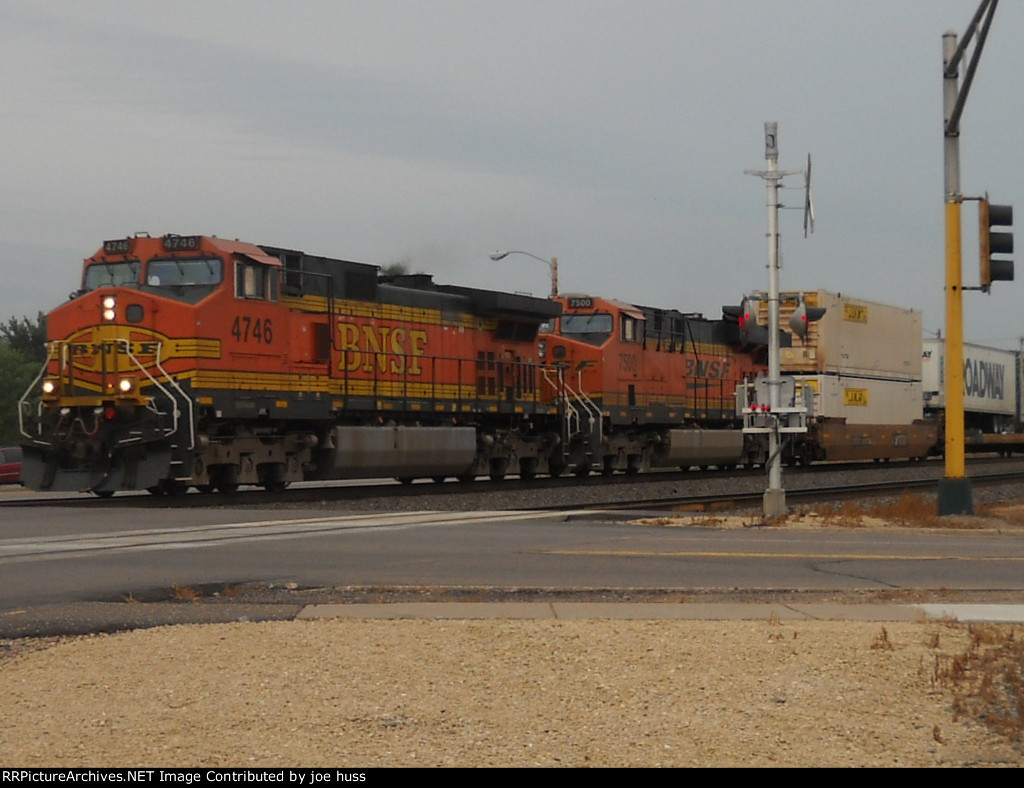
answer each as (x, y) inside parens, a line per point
(204, 271)
(111, 274)
(599, 323)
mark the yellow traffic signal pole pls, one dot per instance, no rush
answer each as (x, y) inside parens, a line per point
(955, 493)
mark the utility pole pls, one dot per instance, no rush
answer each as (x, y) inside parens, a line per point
(955, 494)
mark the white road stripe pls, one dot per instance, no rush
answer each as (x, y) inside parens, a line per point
(67, 546)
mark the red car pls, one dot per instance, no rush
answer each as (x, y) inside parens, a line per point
(10, 465)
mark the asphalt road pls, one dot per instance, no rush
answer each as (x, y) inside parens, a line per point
(67, 570)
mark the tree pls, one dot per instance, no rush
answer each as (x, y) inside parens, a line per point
(16, 373)
(26, 337)
(22, 353)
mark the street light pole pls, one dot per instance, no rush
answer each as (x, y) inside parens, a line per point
(552, 264)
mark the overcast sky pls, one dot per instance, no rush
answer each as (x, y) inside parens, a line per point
(611, 134)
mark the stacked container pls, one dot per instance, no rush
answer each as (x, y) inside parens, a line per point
(860, 369)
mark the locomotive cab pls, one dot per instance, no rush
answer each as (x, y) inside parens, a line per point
(652, 387)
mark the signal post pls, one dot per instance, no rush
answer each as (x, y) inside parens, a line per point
(955, 494)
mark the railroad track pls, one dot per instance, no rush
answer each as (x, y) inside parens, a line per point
(817, 494)
(742, 488)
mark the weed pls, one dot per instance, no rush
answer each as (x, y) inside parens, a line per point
(882, 642)
(987, 679)
(184, 593)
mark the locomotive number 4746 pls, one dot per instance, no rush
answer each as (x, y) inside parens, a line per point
(253, 329)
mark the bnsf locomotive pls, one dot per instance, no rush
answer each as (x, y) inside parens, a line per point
(197, 361)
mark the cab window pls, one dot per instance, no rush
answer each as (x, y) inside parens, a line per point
(180, 273)
(255, 281)
(112, 274)
(597, 323)
(629, 328)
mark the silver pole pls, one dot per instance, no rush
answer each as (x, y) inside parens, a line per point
(774, 495)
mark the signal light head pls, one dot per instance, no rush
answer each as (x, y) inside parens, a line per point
(993, 243)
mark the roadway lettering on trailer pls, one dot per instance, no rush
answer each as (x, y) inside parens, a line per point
(984, 379)
(384, 348)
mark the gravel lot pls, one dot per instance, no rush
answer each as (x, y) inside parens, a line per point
(362, 693)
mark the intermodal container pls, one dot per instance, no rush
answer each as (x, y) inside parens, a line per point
(854, 337)
(861, 400)
(990, 378)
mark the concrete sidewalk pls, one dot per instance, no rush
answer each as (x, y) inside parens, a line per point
(662, 611)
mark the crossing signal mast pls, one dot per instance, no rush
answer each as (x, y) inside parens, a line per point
(782, 414)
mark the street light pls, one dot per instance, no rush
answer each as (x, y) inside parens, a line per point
(552, 263)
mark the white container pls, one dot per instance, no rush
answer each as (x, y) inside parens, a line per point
(863, 400)
(990, 378)
(854, 337)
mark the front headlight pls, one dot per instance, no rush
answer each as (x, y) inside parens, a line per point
(49, 386)
(109, 307)
(125, 385)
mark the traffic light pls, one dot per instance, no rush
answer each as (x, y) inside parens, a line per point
(994, 269)
(802, 316)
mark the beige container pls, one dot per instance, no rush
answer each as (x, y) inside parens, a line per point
(854, 337)
(864, 400)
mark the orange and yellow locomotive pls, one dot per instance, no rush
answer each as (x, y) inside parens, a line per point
(197, 361)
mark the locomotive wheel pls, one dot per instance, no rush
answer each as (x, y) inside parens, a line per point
(225, 478)
(103, 493)
(499, 467)
(528, 468)
(466, 478)
(174, 487)
(405, 479)
(439, 479)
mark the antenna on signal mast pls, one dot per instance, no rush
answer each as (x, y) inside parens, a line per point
(808, 202)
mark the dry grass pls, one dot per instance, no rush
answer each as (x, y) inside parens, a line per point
(987, 678)
(909, 510)
(184, 593)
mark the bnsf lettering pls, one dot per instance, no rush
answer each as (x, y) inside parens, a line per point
(984, 379)
(387, 349)
(79, 349)
(715, 369)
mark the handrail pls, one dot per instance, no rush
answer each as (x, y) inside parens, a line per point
(174, 383)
